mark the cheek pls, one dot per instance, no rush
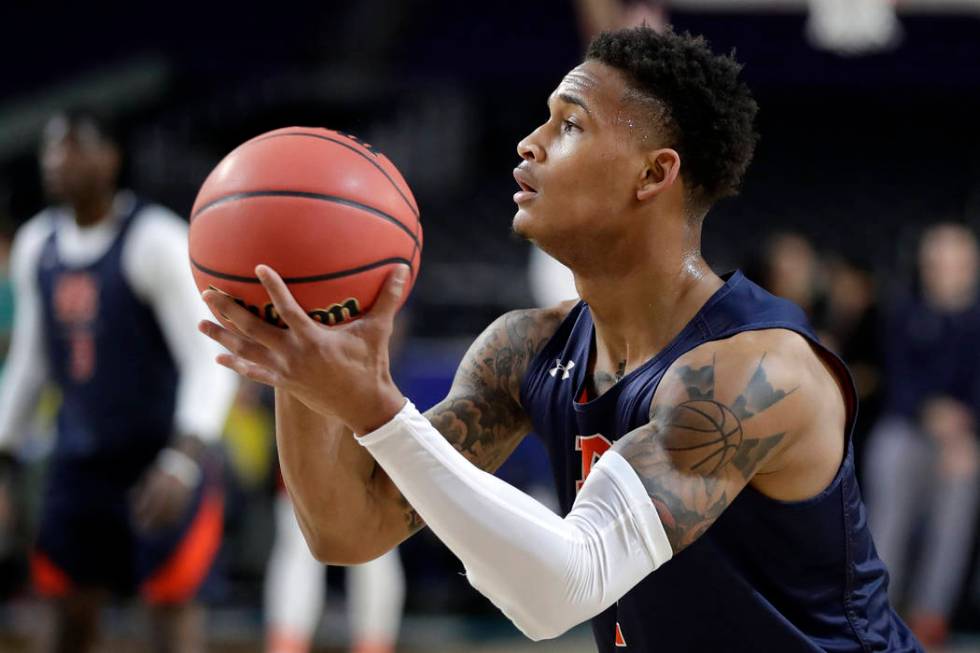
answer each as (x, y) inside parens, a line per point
(598, 184)
(583, 166)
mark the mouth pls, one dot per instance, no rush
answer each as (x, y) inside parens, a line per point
(527, 184)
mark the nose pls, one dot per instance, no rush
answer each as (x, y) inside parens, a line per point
(529, 149)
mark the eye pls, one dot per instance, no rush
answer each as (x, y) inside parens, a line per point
(567, 126)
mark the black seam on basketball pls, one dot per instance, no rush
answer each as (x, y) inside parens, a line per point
(418, 240)
(408, 202)
(319, 277)
(234, 197)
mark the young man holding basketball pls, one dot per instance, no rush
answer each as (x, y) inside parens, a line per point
(700, 434)
(106, 309)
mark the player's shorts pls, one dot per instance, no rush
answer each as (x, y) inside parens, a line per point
(87, 539)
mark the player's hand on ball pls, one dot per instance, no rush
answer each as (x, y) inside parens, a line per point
(341, 370)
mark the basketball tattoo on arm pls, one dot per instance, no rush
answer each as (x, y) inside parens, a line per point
(703, 445)
(482, 416)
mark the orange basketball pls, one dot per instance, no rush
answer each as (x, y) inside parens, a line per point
(328, 212)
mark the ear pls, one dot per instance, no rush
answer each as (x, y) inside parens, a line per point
(659, 173)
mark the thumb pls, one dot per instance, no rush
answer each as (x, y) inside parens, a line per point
(390, 298)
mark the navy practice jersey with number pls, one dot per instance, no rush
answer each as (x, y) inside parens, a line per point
(768, 575)
(108, 356)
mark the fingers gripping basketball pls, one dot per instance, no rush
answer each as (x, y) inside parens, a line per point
(329, 213)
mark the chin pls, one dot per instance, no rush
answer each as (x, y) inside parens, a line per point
(523, 225)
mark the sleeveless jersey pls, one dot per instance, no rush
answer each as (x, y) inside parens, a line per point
(768, 575)
(108, 356)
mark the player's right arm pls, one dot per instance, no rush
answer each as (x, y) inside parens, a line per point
(26, 367)
(348, 508)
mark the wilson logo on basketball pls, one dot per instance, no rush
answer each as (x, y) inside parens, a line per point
(337, 313)
(330, 316)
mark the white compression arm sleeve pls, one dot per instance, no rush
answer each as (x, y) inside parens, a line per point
(545, 573)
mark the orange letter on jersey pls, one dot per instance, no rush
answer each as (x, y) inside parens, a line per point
(592, 448)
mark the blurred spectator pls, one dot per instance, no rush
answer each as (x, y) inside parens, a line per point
(107, 311)
(921, 461)
(604, 15)
(789, 268)
(852, 329)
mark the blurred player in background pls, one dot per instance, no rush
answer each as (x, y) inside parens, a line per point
(106, 309)
(923, 460)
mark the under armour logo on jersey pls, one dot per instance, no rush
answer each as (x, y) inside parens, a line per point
(566, 370)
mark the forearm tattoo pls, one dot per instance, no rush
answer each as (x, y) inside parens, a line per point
(687, 453)
(482, 416)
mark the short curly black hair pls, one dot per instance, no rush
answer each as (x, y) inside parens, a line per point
(702, 107)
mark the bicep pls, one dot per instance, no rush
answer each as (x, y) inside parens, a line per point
(711, 430)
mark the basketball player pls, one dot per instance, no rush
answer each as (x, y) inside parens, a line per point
(700, 435)
(106, 309)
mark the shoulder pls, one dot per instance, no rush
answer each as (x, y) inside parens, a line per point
(784, 354)
(525, 332)
(38, 228)
(158, 225)
(501, 354)
(157, 239)
(764, 381)
(155, 251)
(531, 326)
(29, 241)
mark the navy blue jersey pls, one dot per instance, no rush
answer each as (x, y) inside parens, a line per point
(767, 575)
(108, 356)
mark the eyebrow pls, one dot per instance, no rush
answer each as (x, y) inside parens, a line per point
(574, 99)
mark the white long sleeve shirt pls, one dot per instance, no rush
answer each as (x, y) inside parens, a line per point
(155, 265)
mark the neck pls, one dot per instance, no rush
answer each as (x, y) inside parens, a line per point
(639, 309)
(93, 209)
